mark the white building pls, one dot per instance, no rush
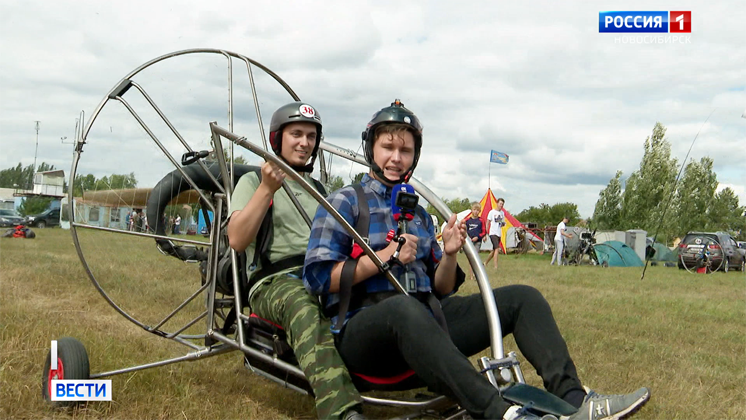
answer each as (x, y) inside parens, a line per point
(7, 200)
(49, 183)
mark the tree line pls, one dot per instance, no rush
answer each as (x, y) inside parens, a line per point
(650, 199)
(20, 177)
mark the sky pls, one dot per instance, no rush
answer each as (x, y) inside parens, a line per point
(535, 80)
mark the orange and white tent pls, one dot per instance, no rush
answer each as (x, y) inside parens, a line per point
(488, 203)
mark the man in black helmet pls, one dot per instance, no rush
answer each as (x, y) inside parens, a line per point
(276, 290)
(381, 332)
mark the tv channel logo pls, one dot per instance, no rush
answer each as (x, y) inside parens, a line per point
(80, 390)
(75, 389)
(645, 22)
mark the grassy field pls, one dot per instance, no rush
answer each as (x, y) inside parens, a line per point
(683, 335)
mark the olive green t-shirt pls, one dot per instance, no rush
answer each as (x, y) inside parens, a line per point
(290, 231)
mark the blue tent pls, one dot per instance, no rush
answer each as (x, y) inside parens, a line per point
(201, 225)
(617, 254)
(662, 253)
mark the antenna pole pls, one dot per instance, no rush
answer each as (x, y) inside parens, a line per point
(36, 150)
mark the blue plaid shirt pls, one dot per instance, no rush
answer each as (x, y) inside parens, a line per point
(330, 243)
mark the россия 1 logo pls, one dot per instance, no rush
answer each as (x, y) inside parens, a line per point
(645, 22)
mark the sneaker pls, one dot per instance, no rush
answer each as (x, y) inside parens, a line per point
(353, 414)
(610, 407)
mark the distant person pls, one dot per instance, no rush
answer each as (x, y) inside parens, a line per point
(475, 228)
(559, 242)
(495, 223)
(137, 221)
(177, 225)
(132, 217)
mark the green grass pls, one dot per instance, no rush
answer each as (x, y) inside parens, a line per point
(683, 335)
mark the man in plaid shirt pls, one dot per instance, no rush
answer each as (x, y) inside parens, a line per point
(384, 333)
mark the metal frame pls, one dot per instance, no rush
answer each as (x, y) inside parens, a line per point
(215, 342)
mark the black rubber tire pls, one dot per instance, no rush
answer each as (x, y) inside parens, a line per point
(72, 361)
(41, 224)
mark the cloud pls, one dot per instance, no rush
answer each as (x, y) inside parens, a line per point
(537, 81)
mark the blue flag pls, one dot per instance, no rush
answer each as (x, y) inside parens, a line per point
(497, 157)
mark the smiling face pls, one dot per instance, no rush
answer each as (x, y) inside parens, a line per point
(394, 154)
(298, 141)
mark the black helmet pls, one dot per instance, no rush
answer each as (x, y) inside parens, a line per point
(290, 113)
(396, 113)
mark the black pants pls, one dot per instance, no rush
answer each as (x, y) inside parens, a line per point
(400, 333)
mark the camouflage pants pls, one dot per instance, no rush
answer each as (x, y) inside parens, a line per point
(284, 301)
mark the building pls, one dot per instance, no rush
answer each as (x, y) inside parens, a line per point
(49, 183)
(7, 200)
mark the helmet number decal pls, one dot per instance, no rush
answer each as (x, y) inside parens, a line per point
(307, 111)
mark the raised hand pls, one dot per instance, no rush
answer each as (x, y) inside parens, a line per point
(454, 235)
(272, 176)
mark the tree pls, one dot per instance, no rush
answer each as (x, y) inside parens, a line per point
(113, 182)
(725, 213)
(695, 196)
(19, 177)
(648, 190)
(34, 205)
(117, 182)
(83, 183)
(334, 183)
(237, 159)
(456, 205)
(546, 215)
(608, 211)
(358, 178)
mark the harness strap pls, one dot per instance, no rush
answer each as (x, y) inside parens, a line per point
(265, 234)
(282, 265)
(362, 225)
(355, 297)
(345, 291)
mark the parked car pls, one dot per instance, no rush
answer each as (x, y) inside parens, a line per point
(47, 218)
(721, 249)
(10, 218)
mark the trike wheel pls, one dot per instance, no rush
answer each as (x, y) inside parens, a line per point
(72, 363)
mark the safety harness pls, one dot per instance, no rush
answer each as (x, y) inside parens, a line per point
(264, 239)
(353, 297)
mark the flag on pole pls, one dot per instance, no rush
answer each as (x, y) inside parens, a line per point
(497, 157)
